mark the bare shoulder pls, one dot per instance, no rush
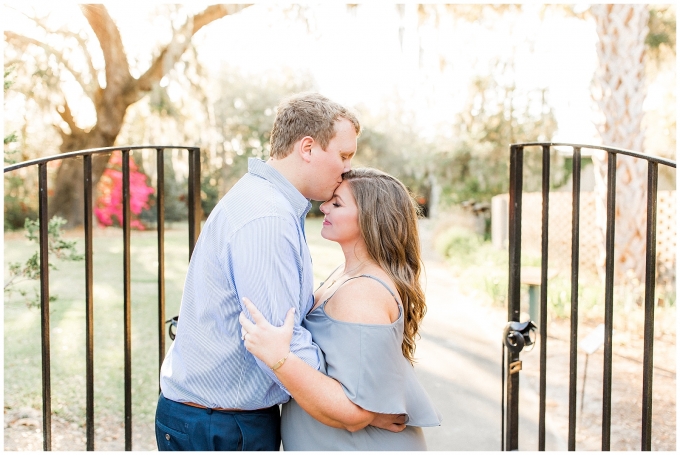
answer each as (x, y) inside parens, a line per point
(364, 300)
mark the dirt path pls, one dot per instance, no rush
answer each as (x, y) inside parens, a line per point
(23, 432)
(459, 364)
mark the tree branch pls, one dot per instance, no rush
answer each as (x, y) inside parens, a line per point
(171, 53)
(93, 86)
(82, 42)
(212, 13)
(64, 112)
(115, 60)
(21, 40)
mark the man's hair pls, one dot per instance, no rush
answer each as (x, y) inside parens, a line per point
(306, 114)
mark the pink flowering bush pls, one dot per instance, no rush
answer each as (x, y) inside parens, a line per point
(109, 204)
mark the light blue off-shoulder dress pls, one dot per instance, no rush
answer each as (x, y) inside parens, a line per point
(367, 360)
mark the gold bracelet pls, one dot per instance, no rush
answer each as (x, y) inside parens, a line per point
(278, 364)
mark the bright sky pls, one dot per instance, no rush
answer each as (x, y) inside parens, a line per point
(357, 58)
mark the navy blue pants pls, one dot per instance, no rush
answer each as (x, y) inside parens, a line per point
(183, 427)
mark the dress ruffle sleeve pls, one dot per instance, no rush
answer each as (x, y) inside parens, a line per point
(372, 369)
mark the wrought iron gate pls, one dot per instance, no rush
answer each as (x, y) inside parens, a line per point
(194, 215)
(513, 334)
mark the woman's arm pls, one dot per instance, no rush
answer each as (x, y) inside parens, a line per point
(321, 396)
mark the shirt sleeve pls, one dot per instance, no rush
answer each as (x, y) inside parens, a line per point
(266, 261)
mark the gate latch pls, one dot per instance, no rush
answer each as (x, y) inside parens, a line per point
(518, 334)
(172, 328)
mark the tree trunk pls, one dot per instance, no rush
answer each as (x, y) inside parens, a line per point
(619, 91)
(68, 199)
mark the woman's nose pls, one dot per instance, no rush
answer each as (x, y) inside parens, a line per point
(323, 208)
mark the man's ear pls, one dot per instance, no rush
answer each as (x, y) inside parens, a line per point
(305, 148)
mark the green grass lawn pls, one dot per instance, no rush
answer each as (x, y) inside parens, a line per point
(22, 368)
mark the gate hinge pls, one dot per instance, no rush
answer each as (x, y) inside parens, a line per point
(515, 367)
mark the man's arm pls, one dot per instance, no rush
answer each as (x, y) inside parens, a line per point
(264, 260)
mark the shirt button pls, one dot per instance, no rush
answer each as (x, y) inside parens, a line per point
(167, 436)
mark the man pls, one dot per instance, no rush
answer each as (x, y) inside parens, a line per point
(215, 395)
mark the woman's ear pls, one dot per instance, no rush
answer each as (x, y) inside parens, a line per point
(305, 148)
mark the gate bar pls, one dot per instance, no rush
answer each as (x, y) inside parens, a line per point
(45, 307)
(515, 234)
(160, 216)
(650, 283)
(609, 302)
(126, 302)
(89, 303)
(543, 323)
(194, 198)
(575, 220)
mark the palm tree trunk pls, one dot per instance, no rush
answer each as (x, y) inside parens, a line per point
(619, 90)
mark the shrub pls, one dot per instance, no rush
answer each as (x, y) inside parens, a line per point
(458, 243)
(30, 270)
(109, 205)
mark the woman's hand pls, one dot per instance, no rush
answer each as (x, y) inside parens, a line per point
(268, 343)
(390, 422)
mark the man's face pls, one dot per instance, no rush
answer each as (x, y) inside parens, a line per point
(330, 164)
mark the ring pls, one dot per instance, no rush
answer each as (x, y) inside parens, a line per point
(243, 337)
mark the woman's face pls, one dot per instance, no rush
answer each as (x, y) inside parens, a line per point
(341, 220)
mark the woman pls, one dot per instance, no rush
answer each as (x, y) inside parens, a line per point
(365, 320)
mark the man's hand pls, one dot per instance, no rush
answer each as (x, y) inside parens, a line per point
(391, 422)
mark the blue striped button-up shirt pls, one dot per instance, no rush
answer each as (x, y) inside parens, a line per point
(252, 245)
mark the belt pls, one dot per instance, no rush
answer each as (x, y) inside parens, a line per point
(196, 405)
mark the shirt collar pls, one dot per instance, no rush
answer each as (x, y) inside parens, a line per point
(260, 168)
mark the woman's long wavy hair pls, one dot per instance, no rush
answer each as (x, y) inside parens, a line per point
(388, 220)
